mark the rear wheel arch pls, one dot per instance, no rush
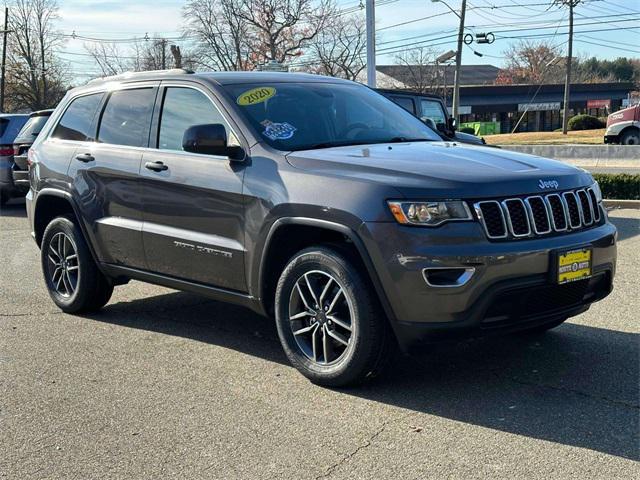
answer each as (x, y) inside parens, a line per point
(299, 233)
(630, 130)
(51, 203)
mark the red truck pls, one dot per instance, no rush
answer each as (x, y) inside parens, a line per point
(623, 126)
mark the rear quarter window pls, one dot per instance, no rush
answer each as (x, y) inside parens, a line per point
(32, 129)
(77, 120)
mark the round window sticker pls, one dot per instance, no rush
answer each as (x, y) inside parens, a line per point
(255, 95)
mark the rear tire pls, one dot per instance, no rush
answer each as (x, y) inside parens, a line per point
(72, 277)
(630, 137)
(345, 335)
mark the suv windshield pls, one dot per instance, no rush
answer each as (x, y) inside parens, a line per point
(300, 116)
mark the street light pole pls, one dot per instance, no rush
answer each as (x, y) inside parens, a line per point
(371, 43)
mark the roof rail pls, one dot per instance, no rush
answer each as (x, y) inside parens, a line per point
(128, 75)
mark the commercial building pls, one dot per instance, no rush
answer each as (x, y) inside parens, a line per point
(531, 107)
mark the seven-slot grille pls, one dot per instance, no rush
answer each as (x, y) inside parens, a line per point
(538, 214)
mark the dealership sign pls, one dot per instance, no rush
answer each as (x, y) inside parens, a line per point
(538, 107)
(598, 103)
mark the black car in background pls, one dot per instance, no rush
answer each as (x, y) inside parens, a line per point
(10, 125)
(432, 110)
(21, 145)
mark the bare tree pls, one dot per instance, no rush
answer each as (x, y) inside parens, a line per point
(242, 34)
(279, 29)
(338, 50)
(109, 57)
(35, 76)
(143, 54)
(420, 66)
(222, 34)
(532, 62)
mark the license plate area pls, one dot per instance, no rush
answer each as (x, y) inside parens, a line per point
(574, 265)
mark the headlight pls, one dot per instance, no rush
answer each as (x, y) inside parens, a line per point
(429, 214)
(597, 191)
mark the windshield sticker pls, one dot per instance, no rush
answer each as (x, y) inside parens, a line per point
(278, 131)
(255, 95)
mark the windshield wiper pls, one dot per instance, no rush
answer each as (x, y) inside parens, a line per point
(405, 139)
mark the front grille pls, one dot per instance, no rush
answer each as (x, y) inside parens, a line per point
(538, 215)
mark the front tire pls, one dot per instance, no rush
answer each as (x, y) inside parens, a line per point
(631, 137)
(74, 282)
(329, 320)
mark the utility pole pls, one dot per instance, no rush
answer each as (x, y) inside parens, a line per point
(567, 82)
(371, 43)
(456, 77)
(5, 33)
(164, 53)
(456, 87)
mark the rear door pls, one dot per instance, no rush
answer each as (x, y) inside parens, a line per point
(106, 174)
(193, 204)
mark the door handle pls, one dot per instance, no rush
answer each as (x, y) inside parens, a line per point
(156, 166)
(85, 157)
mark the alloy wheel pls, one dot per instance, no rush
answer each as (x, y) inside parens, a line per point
(63, 264)
(321, 317)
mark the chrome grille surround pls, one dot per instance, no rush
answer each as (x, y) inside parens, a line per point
(578, 208)
(518, 203)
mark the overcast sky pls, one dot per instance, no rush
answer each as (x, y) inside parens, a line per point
(621, 19)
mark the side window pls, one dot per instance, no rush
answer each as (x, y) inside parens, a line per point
(406, 103)
(76, 121)
(432, 110)
(181, 109)
(126, 118)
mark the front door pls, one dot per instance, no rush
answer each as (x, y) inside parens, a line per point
(193, 204)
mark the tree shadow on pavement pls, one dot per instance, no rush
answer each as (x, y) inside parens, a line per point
(577, 385)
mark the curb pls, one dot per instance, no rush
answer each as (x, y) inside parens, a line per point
(611, 204)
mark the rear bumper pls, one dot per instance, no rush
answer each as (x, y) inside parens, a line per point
(512, 287)
(13, 182)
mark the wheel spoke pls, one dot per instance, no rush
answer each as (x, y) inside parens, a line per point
(52, 260)
(339, 322)
(300, 315)
(55, 272)
(59, 281)
(67, 286)
(335, 300)
(313, 345)
(325, 290)
(338, 337)
(302, 297)
(60, 245)
(313, 294)
(72, 288)
(71, 257)
(54, 251)
(305, 329)
(72, 268)
(325, 344)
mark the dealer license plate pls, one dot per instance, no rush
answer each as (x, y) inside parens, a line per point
(574, 265)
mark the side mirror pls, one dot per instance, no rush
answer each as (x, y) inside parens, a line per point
(210, 139)
(429, 123)
(451, 123)
(442, 128)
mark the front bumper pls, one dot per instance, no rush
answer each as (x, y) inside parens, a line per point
(498, 297)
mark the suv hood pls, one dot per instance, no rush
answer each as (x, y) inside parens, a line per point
(443, 169)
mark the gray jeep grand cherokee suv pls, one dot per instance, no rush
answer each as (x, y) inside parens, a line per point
(317, 201)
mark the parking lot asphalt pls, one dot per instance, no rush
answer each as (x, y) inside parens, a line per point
(164, 384)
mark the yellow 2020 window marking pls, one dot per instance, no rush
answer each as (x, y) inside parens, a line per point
(255, 95)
